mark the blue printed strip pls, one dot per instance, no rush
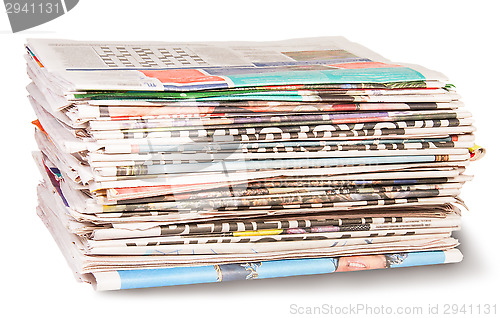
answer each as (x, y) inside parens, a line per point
(270, 269)
(333, 76)
(283, 164)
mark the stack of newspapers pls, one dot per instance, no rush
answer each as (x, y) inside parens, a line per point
(179, 163)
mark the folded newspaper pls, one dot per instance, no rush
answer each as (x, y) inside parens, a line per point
(180, 163)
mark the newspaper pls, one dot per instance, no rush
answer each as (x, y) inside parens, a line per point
(177, 163)
(164, 66)
(267, 269)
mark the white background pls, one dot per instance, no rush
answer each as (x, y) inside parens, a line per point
(457, 38)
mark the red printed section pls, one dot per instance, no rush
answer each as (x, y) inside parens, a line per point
(364, 65)
(186, 76)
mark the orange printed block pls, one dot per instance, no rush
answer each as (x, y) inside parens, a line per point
(185, 76)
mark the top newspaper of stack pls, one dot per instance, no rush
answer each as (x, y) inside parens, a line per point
(73, 67)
